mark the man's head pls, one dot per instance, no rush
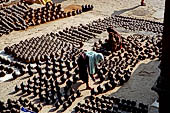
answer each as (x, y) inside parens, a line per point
(99, 57)
(111, 29)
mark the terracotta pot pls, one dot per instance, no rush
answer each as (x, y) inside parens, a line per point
(69, 14)
(2, 74)
(1, 67)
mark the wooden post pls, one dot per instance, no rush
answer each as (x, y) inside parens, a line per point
(162, 86)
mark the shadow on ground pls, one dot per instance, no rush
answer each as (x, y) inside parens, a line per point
(124, 10)
(58, 1)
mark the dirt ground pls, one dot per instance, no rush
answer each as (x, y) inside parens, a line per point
(139, 86)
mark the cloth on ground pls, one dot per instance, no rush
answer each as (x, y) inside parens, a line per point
(24, 110)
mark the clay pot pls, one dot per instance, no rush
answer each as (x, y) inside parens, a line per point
(1, 67)
(69, 14)
(7, 49)
(108, 86)
(77, 109)
(57, 105)
(17, 88)
(56, 16)
(93, 92)
(61, 15)
(59, 6)
(73, 13)
(52, 18)
(65, 106)
(48, 19)
(38, 22)
(64, 15)
(78, 93)
(43, 20)
(2, 73)
(78, 11)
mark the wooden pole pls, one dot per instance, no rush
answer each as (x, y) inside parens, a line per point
(162, 86)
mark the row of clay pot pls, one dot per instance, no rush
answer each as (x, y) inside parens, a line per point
(14, 74)
(87, 7)
(51, 65)
(110, 105)
(100, 25)
(7, 67)
(54, 71)
(70, 100)
(43, 14)
(12, 18)
(33, 51)
(91, 28)
(5, 70)
(50, 16)
(19, 18)
(66, 60)
(3, 1)
(39, 84)
(7, 3)
(43, 10)
(25, 50)
(14, 106)
(48, 82)
(134, 24)
(78, 34)
(50, 13)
